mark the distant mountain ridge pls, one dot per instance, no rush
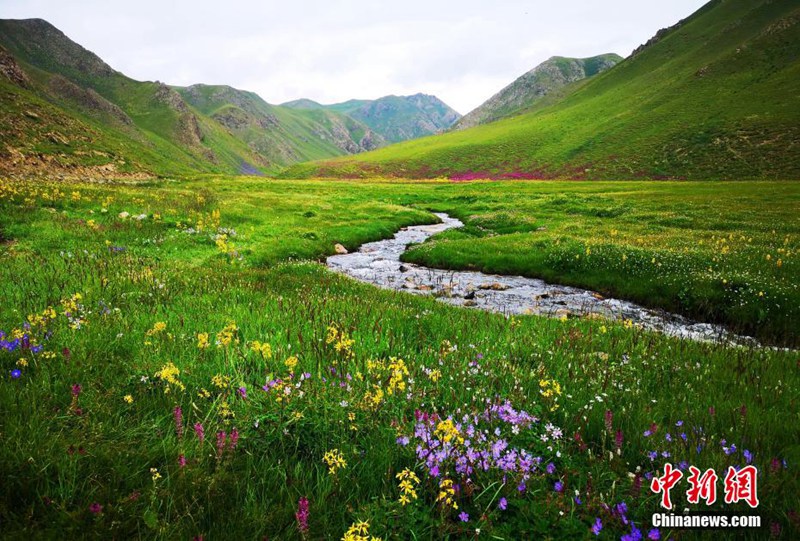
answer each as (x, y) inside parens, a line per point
(395, 118)
(548, 77)
(715, 96)
(64, 110)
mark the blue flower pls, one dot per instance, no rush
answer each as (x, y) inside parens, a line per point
(597, 526)
(16, 373)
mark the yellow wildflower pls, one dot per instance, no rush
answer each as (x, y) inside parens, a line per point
(334, 460)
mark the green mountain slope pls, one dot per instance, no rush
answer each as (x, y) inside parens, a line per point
(546, 78)
(395, 118)
(716, 96)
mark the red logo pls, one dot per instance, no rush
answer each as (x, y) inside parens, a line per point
(739, 485)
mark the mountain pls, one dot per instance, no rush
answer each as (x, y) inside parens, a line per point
(280, 134)
(395, 118)
(63, 110)
(548, 77)
(716, 96)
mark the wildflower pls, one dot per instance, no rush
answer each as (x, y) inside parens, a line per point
(408, 483)
(597, 527)
(447, 494)
(558, 486)
(358, 531)
(178, 414)
(158, 328)
(154, 474)
(221, 439)
(95, 508)
(199, 432)
(234, 438)
(128, 399)
(76, 390)
(463, 516)
(182, 460)
(202, 340)
(340, 341)
(16, 373)
(226, 335)
(169, 374)
(263, 349)
(654, 534)
(502, 504)
(302, 515)
(291, 363)
(242, 391)
(335, 461)
(609, 420)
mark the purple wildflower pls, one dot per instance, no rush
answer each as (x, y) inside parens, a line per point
(76, 390)
(609, 420)
(178, 414)
(200, 432)
(242, 391)
(234, 438)
(463, 516)
(302, 514)
(597, 526)
(654, 534)
(16, 373)
(221, 438)
(551, 468)
(558, 486)
(96, 508)
(502, 504)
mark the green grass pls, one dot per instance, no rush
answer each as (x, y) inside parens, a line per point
(715, 98)
(66, 449)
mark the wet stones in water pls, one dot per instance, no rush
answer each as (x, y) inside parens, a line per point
(494, 286)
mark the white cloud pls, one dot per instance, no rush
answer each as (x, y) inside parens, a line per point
(462, 51)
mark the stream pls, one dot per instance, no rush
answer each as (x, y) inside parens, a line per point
(379, 263)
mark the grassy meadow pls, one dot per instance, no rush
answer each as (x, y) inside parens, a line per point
(176, 364)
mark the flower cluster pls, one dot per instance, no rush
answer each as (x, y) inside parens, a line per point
(169, 374)
(408, 484)
(340, 341)
(335, 461)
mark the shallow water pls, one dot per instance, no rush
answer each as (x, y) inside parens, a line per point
(379, 263)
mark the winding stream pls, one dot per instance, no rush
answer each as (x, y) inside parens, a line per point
(379, 263)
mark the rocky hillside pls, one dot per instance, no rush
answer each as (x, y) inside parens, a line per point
(280, 134)
(546, 78)
(395, 118)
(63, 110)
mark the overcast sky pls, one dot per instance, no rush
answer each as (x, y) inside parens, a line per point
(463, 51)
